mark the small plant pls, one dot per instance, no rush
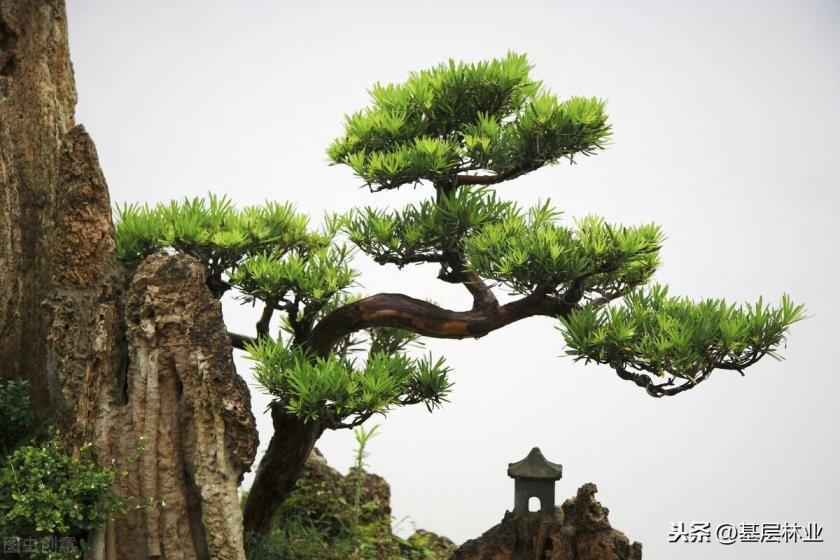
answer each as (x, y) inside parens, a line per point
(363, 436)
(333, 517)
(47, 488)
(16, 414)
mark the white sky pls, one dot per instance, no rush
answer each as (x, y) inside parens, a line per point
(726, 133)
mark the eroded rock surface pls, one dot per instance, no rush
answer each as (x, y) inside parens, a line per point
(108, 361)
(579, 530)
(37, 102)
(86, 345)
(145, 366)
(324, 499)
(189, 411)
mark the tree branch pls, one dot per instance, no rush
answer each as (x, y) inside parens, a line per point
(360, 419)
(483, 296)
(402, 261)
(667, 389)
(492, 179)
(426, 319)
(265, 320)
(239, 341)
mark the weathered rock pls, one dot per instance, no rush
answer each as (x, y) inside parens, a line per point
(153, 363)
(324, 499)
(107, 370)
(190, 412)
(86, 349)
(374, 491)
(37, 102)
(580, 530)
(438, 545)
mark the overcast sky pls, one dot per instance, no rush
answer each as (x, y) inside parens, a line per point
(726, 125)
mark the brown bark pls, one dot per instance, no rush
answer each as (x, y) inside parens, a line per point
(426, 319)
(279, 469)
(493, 179)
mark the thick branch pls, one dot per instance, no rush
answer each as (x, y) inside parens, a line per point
(238, 341)
(483, 296)
(265, 320)
(426, 319)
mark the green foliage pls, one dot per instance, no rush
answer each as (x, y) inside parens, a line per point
(334, 517)
(15, 413)
(419, 233)
(463, 117)
(314, 277)
(363, 437)
(46, 487)
(527, 252)
(462, 126)
(389, 340)
(673, 337)
(212, 230)
(268, 255)
(298, 539)
(336, 391)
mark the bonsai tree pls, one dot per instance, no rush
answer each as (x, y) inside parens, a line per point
(457, 130)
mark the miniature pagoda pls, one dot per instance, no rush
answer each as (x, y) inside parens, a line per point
(534, 477)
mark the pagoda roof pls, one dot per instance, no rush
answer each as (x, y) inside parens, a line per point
(535, 466)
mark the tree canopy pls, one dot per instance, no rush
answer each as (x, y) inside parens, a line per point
(446, 123)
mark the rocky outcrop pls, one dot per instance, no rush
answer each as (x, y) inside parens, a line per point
(437, 545)
(579, 530)
(324, 495)
(120, 362)
(149, 366)
(86, 349)
(324, 501)
(148, 376)
(37, 103)
(188, 411)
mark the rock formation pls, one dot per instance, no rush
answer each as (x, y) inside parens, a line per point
(189, 412)
(579, 530)
(323, 502)
(37, 101)
(113, 359)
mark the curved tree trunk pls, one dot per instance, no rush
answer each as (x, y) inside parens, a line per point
(110, 358)
(279, 469)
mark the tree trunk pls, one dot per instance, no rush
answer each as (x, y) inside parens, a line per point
(279, 469)
(109, 358)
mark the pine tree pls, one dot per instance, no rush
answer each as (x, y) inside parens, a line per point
(457, 130)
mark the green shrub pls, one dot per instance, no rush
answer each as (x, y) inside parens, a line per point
(48, 490)
(333, 517)
(15, 414)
